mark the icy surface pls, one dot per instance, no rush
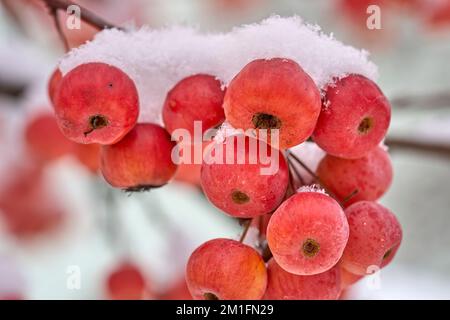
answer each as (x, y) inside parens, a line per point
(157, 59)
(312, 188)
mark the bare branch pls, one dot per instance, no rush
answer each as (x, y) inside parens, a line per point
(440, 149)
(86, 15)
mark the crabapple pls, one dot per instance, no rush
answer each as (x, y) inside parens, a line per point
(53, 84)
(375, 236)
(370, 176)
(274, 94)
(354, 119)
(282, 285)
(126, 282)
(224, 269)
(240, 189)
(348, 278)
(88, 155)
(308, 233)
(141, 160)
(195, 98)
(44, 140)
(96, 103)
(27, 206)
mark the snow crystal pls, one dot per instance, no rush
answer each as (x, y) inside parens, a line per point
(312, 188)
(158, 58)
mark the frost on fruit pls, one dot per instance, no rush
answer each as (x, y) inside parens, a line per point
(312, 188)
(156, 59)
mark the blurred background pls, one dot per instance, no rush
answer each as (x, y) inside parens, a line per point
(64, 234)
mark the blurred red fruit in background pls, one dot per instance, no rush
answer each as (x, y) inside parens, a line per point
(27, 205)
(126, 282)
(44, 139)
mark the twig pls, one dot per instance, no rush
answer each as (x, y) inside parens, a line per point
(429, 147)
(86, 15)
(54, 14)
(245, 230)
(350, 196)
(12, 89)
(437, 99)
(297, 174)
(316, 178)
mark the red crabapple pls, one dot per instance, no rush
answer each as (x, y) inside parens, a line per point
(96, 103)
(224, 269)
(241, 190)
(375, 236)
(370, 175)
(126, 282)
(89, 156)
(308, 233)
(27, 206)
(141, 160)
(282, 285)
(348, 278)
(44, 140)
(195, 98)
(53, 84)
(354, 119)
(274, 94)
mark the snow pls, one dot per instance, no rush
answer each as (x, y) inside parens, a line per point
(158, 58)
(312, 188)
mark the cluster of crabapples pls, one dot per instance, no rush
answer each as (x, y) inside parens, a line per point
(316, 242)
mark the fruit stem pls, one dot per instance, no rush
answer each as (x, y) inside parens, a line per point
(351, 195)
(316, 178)
(293, 169)
(245, 230)
(54, 14)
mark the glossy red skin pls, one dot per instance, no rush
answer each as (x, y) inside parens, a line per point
(374, 230)
(370, 175)
(282, 285)
(141, 159)
(307, 215)
(26, 207)
(228, 269)
(94, 89)
(53, 84)
(89, 156)
(346, 104)
(195, 98)
(348, 278)
(265, 192)
(44, 140)
(279, 87)
(126, 283)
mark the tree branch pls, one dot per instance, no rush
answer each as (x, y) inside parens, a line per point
(436, 99)
(86, 15)
(428, 147)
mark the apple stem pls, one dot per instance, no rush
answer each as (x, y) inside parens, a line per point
(350, 196)
(316, 178)
(245, 230)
